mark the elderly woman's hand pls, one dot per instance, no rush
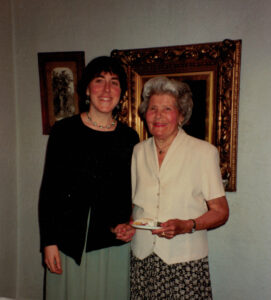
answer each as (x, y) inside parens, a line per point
(124, 232)
(171, 228)
(217, 215)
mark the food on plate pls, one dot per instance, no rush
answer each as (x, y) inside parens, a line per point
(145, 222)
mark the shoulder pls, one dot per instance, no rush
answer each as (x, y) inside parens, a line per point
(124, 128)
(128, 132)
(67, 124)
(65, 131)
(198, 145)
(142, 146)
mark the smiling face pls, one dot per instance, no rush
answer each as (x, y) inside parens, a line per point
(104, 92)
(163, 116)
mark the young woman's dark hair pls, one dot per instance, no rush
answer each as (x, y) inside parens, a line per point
(94, 68)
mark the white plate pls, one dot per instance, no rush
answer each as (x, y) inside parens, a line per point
(145, 227)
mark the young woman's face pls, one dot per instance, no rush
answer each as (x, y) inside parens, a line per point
(163, 116)
(104, 92)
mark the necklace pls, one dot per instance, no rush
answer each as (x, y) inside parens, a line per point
(164, 149)
(99, 125)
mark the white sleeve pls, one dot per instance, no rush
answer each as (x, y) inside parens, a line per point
(133, 174)
(212, 185)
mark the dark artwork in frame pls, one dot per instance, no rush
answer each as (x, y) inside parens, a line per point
(59, 74)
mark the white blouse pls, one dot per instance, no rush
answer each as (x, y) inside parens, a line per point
(188, 177)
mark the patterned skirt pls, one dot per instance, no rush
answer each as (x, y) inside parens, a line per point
(151, 278)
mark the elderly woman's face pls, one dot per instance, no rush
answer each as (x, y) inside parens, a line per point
(163, 116)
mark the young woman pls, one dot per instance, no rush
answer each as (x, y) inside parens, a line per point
(86, 192)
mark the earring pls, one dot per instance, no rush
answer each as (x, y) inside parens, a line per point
(87, 101)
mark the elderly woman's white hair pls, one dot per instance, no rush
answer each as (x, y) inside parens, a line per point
(163, 85)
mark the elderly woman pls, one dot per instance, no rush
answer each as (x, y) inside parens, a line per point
(176, 180)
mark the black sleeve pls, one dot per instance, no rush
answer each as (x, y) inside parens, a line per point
(49, 206)
(123, 190)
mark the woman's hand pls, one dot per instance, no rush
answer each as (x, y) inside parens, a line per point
(171, 228)
(52, 259)
(124, 232)
(217, 215)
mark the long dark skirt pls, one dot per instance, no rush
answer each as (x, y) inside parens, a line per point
(151, 278)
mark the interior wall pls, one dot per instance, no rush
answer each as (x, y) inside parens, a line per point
(8, 205)
(239, 251)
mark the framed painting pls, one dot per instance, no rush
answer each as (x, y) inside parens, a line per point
(59, 74)
(212, 71)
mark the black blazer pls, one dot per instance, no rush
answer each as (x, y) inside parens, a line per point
(85, 170)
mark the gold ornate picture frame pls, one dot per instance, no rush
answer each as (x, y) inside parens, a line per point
(213, 72)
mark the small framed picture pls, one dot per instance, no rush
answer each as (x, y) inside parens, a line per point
(59, 74)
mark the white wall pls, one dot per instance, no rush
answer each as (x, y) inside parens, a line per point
(240, 251)
(8, 205)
